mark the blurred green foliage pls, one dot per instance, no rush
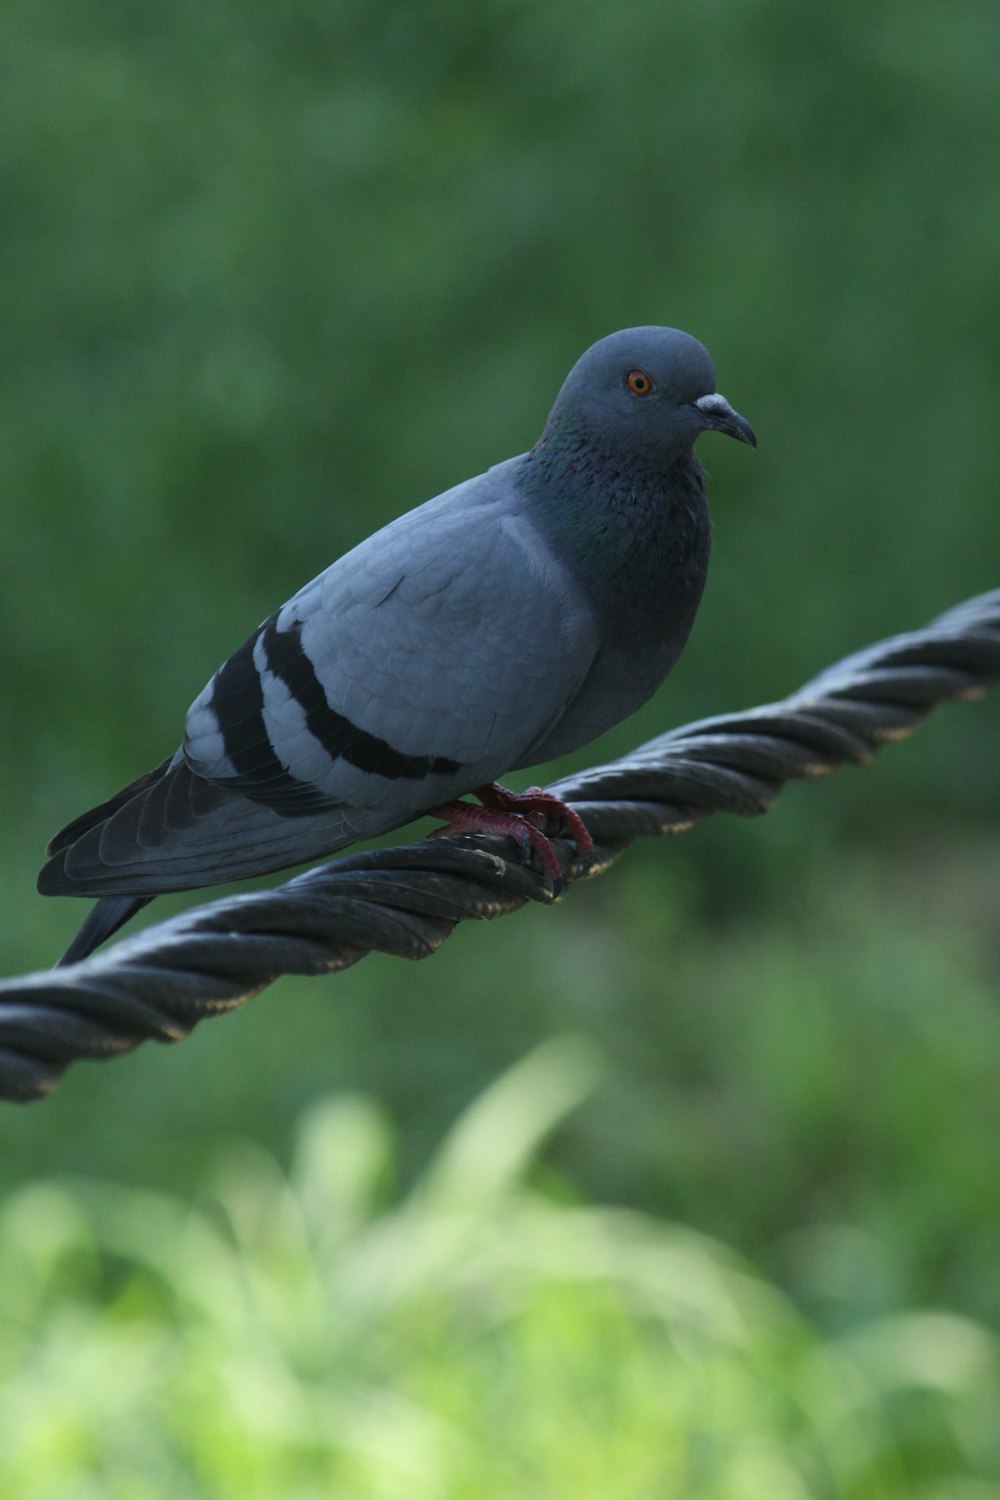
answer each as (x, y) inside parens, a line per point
(270, 275)
(292, 1336)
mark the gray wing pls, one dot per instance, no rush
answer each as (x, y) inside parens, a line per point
(421, 664)
(426, 662)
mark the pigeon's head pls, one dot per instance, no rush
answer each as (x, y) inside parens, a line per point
(649, 390)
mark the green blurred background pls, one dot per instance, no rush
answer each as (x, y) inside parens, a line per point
(272, 273)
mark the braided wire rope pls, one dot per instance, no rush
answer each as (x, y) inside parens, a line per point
(157, 985)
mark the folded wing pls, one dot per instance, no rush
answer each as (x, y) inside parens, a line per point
(422, 664)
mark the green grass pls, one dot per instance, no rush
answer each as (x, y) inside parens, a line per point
(296, 1336)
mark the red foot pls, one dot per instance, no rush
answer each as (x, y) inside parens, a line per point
(520, 815)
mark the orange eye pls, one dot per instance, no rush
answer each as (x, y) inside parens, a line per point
(638, 382)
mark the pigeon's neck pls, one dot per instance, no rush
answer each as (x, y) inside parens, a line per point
(633, 528)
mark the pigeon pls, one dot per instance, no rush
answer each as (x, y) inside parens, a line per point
(509, 620)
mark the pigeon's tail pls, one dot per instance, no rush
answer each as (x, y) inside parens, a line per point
(172, 830)
(104, 810)
(110, 913)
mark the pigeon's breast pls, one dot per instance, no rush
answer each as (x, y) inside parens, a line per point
(644, 596)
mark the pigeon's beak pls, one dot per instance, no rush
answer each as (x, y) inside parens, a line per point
(720, 417)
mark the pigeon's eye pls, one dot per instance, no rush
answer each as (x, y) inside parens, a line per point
(638, 382)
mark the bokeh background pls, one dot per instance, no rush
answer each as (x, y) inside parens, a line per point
(688, 1187)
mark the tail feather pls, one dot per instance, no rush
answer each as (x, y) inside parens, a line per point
(110, 913)
(104, 810)
(173, 830)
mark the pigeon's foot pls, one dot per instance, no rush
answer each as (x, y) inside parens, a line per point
(522, 816)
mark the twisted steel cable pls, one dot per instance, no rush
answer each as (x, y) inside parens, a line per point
(405, 901)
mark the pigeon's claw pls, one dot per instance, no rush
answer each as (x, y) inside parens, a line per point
(536, 804)
(521, 816)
